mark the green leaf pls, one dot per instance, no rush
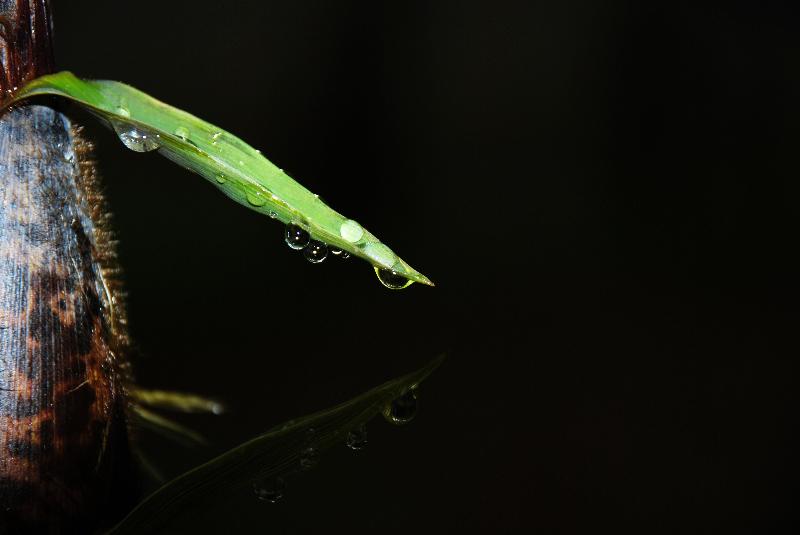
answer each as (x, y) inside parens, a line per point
(276, 453)
(237, 169)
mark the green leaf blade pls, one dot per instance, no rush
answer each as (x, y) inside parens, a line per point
(233, 166)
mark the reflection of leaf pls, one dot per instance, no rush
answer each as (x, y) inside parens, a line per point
(176, 401)
(236, 168)
(277, 452)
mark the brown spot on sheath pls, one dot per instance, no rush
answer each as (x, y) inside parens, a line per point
(63, 434)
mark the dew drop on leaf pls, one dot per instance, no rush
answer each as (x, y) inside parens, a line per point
(351, 231)
(182, 132)
(135, 139)
(357, 438)
(270, 490)
(316, 251)
(309, 458)
(296, 237)
(402, 409)
(344, 255)
(391, 279)
(256, 198)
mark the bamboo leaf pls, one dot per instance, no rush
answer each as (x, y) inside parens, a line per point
(237, 169)
(278, 452)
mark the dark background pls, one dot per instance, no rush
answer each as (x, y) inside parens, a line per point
(604, 192)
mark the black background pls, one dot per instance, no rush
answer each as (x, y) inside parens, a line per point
(604, 192)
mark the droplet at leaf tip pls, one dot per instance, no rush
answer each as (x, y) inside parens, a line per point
(399, 280)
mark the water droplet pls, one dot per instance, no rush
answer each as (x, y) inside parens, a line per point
(357, 438)
(182, 132)
(344, 255)
(402, 409)
(391, 279)
(316, 251)
(256, 198)
(123, 111)
(296, 237)
(215, 137)
(220, 178)
(351, 230)
(270, 490)
(309, 458)
(273, 214)
(134, 139)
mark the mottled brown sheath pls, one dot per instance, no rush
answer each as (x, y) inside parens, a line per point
(64, 461)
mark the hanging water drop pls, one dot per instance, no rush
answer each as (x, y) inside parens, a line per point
(402, 409)
(296, 237)
(309, 458)
(135, 139)
(357, 438)
(220, 178)
(182, 132)
(256, 198)
(344, 255)
(270, 490)
(391, 279)
(316, 251)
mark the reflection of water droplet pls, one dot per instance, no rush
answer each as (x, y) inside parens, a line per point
(256, 198)
(357, 438)
(220, 178)
(344, 255)
(135, 139)
(270, 490)
(391, 279)
(182, 132)
(316, 251)
(351, 230)
(309, 458)
(402, 409)
(296, 237)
